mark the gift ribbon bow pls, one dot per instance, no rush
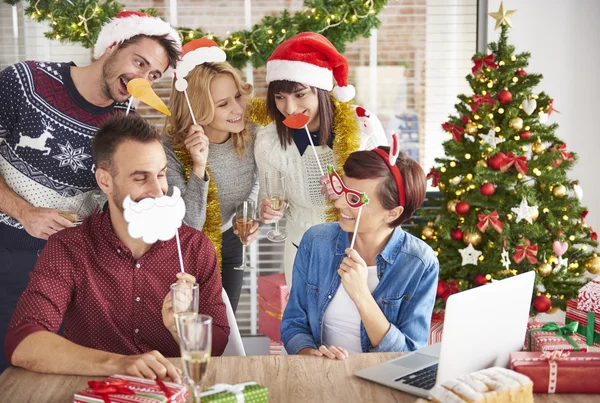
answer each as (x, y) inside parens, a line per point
(552, 357)
(110, 387)
(487, 61)
(478, 100)
(237, 390)
(551, 107)
(566, 156)
(434, 176)
(562, 331)
(526, 251)
(509, 159)
(456, 131)
(492, 219)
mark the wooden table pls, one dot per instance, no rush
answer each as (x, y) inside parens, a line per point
(290, 379)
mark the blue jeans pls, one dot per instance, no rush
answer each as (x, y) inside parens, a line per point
(15, 266)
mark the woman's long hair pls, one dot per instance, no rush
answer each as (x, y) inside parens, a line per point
(199, 80)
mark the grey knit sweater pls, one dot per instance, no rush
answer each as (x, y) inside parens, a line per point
(236, 179)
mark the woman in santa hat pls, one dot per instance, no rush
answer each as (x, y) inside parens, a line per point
(210, 152)
(300, 75)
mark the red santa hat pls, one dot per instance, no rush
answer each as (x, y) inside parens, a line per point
(194, 53)
(309, 58)
(128, 24)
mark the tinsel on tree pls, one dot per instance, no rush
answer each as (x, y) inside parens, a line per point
(508, 205)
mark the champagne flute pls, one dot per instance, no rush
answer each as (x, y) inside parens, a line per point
(195, 341)
(185, 299)
(244, 220)
(275, 190)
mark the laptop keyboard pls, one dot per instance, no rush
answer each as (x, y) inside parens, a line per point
(423, 378)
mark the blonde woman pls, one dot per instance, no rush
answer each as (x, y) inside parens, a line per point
(212, 162)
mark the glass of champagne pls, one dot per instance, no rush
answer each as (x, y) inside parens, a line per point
(244, 220)
(195, 341)
(184, 297)
(275, 191)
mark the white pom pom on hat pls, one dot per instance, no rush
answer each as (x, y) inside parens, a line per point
(309, 58)
(194, 53)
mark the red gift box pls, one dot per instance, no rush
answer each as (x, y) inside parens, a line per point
(273, 295)
(551, 336)
(436, 328)
(559, 371)
(123, 388)
(585, 310)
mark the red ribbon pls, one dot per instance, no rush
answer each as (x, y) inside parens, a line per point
(566, 156)
(110, 387)
(456, 131)
(551, 107)
(168, 392)
(593, 234)
(478, 100)
(487, 61)
(435, 176)
(509, 159)
(492, 220)
(526, 251)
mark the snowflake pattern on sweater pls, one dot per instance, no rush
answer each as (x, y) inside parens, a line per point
(46, 128)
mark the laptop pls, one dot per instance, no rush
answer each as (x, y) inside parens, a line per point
(482, 326)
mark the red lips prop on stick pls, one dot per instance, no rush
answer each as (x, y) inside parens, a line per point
(298, 122)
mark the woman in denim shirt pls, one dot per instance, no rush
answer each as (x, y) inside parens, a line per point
(378, 296)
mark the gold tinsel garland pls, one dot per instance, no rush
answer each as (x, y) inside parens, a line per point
(213, 222)
(346, 137)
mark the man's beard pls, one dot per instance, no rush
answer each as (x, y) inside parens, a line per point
(108, 72)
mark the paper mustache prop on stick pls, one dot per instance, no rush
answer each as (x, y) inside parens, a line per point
(354, 198)
(300, 121)
(155, 219)
(141, 89)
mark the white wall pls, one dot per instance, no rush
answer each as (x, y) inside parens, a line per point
(563, 38)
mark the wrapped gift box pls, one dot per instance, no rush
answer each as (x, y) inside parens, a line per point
(121, 388)
(559, 371)
(585, 310)
(273, 295)
(241, 392)
(542, 336)
(436, 328)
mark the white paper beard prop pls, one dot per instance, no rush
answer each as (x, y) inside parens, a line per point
(154, 219)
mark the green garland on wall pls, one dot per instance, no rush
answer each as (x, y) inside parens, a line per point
(341, 21)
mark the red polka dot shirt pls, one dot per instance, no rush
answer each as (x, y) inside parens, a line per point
(87, 278)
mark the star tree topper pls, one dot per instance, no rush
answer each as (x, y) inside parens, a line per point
(525, 212)
(469, 255)
(502, 16)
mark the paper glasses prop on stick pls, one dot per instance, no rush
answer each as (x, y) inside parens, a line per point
(155, 219)
(354, 198)
(194, 53)
(140, 88)
(300, 121)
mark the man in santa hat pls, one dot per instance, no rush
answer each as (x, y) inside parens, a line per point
(49, 112)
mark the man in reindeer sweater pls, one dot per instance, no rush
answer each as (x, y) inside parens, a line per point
(49, 112)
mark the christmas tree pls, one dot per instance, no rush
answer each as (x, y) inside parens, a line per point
(507, 204)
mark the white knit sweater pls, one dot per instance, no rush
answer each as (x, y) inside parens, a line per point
(306, 203)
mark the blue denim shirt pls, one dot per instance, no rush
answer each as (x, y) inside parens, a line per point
(407, 269)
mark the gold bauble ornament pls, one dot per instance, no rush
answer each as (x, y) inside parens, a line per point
(535, 213)
(471, 129)
(544, 269)
(427, 232)
(480, 77)
(593, 265)
(473, 238)
(481, 163)
(559, 191)
(516, 123)
(452, 206)
(552, 310)
(538, 148)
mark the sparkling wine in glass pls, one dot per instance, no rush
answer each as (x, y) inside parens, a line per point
(185, 299)
(195, 341)
(244, 220)
(276, 193)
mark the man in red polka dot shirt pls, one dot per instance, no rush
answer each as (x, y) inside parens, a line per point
(109, 289)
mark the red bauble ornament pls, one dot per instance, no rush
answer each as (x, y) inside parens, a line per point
(525, 135)
(521, 73)
(462, 208)
(441, 288)
(542, 303)
(487, 189)
(457, 234)
(480, 280)
(496, 161)
(504, 96)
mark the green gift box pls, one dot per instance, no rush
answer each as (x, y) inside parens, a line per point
(247, 392)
